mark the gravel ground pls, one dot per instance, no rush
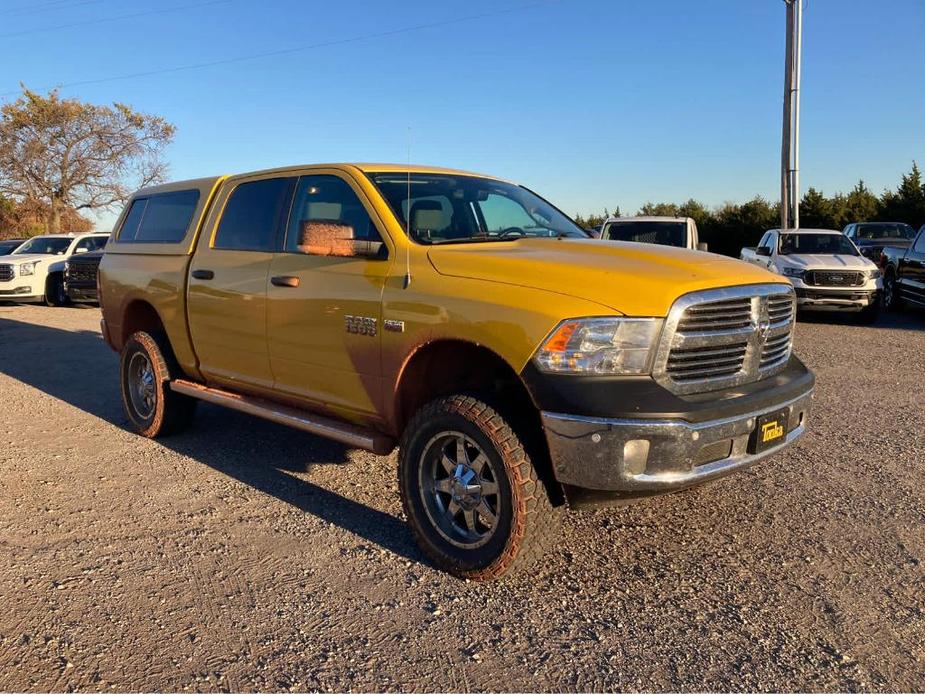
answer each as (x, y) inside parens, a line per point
(243, 555)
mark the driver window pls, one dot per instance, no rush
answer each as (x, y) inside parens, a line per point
(501, 213)
(765, 240)
(328, 219)
(90, 244)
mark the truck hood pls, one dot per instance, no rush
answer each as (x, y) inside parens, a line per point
(636, 279)
(807, 261)
(28, 258)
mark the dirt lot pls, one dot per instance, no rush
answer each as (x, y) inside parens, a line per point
(243, 555)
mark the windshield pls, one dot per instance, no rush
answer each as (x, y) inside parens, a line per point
(885, 231)
(448, 208)
(662, 233)
(45, 245)
(827, 244)
(7, 247)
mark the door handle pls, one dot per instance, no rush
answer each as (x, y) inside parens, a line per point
(203, 274)
(284, 281)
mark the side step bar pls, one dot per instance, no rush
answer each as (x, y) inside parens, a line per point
(348, 434)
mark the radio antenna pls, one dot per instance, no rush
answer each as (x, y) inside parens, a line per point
(408, 218)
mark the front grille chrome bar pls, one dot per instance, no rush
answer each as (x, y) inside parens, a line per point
(721, 338)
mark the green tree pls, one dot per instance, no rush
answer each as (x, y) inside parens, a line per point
(907, 203)
(817, 211)
(662, 209)
(860, 205)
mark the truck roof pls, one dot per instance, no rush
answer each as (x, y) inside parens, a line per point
(644, 218)
(210, 181)
(806, 231)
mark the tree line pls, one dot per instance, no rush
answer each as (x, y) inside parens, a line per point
(731, 226)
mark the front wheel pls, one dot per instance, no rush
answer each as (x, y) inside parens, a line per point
(470, 492)
(891, 300)
(54, 291)
(147, 399)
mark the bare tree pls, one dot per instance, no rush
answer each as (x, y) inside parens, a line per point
(69, 155)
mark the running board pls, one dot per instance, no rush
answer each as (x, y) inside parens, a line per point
(349, 434)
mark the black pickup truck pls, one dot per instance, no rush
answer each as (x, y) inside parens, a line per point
(80, 277)
(904, 273)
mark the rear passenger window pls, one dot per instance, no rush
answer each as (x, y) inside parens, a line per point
(254, 215)
(329, 219)
(162, 218)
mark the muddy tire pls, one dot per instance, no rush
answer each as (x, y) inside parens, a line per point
(54, 291)
(147, 368)
(472, 497)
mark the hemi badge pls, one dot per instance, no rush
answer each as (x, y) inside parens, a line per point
(395, 326)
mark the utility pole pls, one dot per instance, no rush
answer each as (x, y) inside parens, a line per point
(790, 133)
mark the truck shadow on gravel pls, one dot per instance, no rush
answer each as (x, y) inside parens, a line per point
(78, 368)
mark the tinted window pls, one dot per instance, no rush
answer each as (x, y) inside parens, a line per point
(328, 219)
(92, 243)
(826, 244)
(45, 245)
(254, 215)
(7, 247)
(885, 231)
(162, 218)
(449, 208)
(662, 233)
(920, 243)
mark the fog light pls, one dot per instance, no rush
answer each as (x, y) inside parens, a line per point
(635, 453)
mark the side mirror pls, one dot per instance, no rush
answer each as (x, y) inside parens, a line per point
(763, 250)
(701, 246)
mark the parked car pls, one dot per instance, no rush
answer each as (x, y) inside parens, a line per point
(518, 365)
(34, 272)
(825, 267)
(680, 232)
(80, 273)
(904, 273)
(7, 246)
(872, 237)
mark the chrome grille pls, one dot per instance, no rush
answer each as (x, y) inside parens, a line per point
(720, 338)
(6, 273)
(834, 278)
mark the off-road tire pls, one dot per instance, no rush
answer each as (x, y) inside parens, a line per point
(528, 523)
(54, 291)
(171, 412)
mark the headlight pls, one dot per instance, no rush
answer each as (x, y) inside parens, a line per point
(27, 269)
(874, 274)
(600, 346)
(792, 272)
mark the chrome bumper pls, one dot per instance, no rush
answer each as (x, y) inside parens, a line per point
(650, 456)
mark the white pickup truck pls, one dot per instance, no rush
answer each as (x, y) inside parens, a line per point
(34, 272)
(827, 270)
(680, 232)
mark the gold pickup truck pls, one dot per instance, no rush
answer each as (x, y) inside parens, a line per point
(519, 366)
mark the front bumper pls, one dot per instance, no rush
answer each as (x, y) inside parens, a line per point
(640, 457)
(814, 298)
(81, 292)
(18, 290)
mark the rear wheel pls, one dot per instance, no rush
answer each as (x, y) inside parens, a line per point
(54, 290)
(147, 399)
(470, 493)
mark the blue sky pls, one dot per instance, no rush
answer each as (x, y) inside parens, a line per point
(592, 103)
